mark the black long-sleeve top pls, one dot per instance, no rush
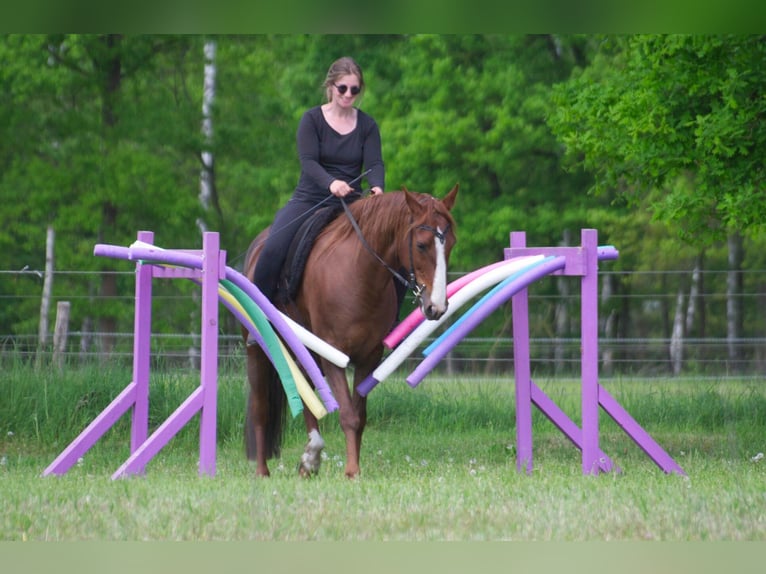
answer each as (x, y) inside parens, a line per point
(326, 155)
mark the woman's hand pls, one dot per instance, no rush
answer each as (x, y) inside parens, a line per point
(340, 188)
(376, 190)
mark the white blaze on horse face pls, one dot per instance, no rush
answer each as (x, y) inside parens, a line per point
(439, 291)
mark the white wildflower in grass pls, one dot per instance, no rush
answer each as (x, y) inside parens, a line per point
(3, 461)
(10, 433)
(80, 461)
(472, 472)
(407, 458)
(424, 462)
(757, 457)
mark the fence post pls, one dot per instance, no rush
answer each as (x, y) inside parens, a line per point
(61, 332)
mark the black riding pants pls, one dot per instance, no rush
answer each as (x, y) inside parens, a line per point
(286, 223)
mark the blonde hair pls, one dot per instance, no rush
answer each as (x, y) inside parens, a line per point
(344, 66)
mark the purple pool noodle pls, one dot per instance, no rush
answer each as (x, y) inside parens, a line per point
(480, 314)
(113, 251)
(168, 256)
(366, 385)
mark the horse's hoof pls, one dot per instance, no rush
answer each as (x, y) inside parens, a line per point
(304, 472)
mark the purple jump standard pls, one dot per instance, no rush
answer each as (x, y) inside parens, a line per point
(136, 394)
(207, 267)
(580, 261)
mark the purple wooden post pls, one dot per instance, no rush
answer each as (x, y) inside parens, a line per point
(520, 310)
(589, 345)
(212, 268)
(142, 331)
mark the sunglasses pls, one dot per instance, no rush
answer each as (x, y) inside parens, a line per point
(343, 88)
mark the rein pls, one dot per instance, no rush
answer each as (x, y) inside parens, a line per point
(411, 284)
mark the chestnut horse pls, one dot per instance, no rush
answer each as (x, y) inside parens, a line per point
(347, 298)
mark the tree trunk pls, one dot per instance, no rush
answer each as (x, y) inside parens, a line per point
(734, 319)
(208, 194)
(610, 325)
(677, 336)
(561, 316)
(111, 70)
(694, 296)
(208, 197)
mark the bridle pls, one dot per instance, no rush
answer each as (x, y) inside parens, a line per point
(411, 283)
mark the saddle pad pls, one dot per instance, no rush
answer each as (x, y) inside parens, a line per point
(300, 248)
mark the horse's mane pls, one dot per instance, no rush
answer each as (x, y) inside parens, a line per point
(382, 217)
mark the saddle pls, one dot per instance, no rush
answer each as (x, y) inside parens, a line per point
(300, 248)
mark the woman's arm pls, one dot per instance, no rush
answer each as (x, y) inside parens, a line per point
(373, 159)
(307, 139)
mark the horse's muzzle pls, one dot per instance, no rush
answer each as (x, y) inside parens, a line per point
(433, 312)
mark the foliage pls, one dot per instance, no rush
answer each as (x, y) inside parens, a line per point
(672, 121)
(527, 125)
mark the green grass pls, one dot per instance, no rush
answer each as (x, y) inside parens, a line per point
(437, 464)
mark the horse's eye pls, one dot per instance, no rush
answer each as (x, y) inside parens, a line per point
(421, 246)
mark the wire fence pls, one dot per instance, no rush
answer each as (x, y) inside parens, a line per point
(639, 333)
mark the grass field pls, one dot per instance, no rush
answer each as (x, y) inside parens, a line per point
(438, 464)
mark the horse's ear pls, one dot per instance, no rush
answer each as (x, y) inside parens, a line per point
(449, 199)
(412, 201)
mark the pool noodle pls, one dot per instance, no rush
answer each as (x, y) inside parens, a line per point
(141, 250)
(300, 383)
(482, 311)
(460, 298)
(416, 317)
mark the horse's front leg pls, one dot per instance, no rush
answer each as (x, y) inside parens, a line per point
(359, 404)
(351, 421)
(311, 459)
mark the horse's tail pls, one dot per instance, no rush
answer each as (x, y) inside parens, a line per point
(270, 402)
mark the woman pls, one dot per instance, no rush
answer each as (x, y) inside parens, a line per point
(336, 141)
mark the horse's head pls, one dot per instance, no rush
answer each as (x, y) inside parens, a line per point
(432, 236)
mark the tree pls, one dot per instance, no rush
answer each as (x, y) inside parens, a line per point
(105, 141)
(675, 120)
(673, 123)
